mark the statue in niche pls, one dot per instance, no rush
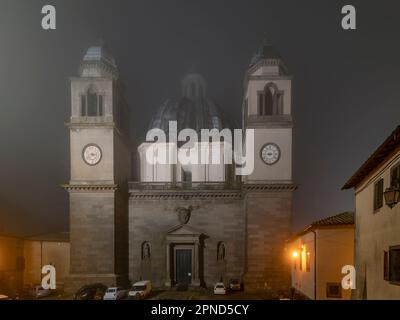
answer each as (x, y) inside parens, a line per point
(221, 252)
(146, 251)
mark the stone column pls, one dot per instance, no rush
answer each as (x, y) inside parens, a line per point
(196, 262)
(168, 281)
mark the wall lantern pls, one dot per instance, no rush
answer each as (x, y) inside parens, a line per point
(392, 196)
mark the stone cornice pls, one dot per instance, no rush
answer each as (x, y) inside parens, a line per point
(84, 124)
(270, 77)
(280, 121)
(105, 69)
(171, 195)
(269, 187)
(76, 125)
(90, 187)
(182, 194)
(268, 62)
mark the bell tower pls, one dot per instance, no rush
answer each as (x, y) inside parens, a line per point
(100, 170)
(267, 109)
(267, 105)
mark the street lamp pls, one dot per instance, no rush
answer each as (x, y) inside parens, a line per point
(392, 196)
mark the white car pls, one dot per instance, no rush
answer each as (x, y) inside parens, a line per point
(140, 289)
(219, 288)
(115, 293)
(40, 292)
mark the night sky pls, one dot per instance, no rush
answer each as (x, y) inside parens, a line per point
(345, 90)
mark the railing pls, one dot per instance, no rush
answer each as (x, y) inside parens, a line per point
(184, 185)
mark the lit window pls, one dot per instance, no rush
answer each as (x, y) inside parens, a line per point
(308, 261)
(301, 260)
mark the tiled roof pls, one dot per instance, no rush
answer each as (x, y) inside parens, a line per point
(391, 144)
(345, 218)
(341, 219)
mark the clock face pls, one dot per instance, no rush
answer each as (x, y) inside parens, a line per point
(270, 153)
(91, 154)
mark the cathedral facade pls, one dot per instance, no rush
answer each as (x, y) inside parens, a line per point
(180, 223)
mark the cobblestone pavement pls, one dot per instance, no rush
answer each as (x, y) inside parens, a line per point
(195, 294)
(207, 294)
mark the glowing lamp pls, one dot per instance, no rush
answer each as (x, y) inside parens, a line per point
(392, 196)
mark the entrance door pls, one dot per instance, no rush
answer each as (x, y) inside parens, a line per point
(184, 266)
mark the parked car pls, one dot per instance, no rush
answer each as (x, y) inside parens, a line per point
(93, 291)
(140, 289)
(219, 288)
(4, 297)
(115, 293)
(39, 292)
(235, 285)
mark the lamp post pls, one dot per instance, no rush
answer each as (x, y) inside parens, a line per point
(392, 196)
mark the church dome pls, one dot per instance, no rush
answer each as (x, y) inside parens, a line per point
(193, 110)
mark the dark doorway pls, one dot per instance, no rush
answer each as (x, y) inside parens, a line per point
(184, 266)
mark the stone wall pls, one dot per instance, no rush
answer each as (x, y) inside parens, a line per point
(376, 232)
(92, 238)
(268, 218)
(219, 219)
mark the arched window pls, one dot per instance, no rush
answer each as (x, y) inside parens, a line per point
(146, 250)
(221, 251)
(270, 101)
(92, 104)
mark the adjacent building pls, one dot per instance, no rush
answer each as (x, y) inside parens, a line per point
(376, 187)
(318, 254)
(48, 249)
(12, 263)
(22, 259)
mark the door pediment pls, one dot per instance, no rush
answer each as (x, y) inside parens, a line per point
(182, 230)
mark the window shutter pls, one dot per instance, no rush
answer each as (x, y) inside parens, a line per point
(378, 195)
(386, 266)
